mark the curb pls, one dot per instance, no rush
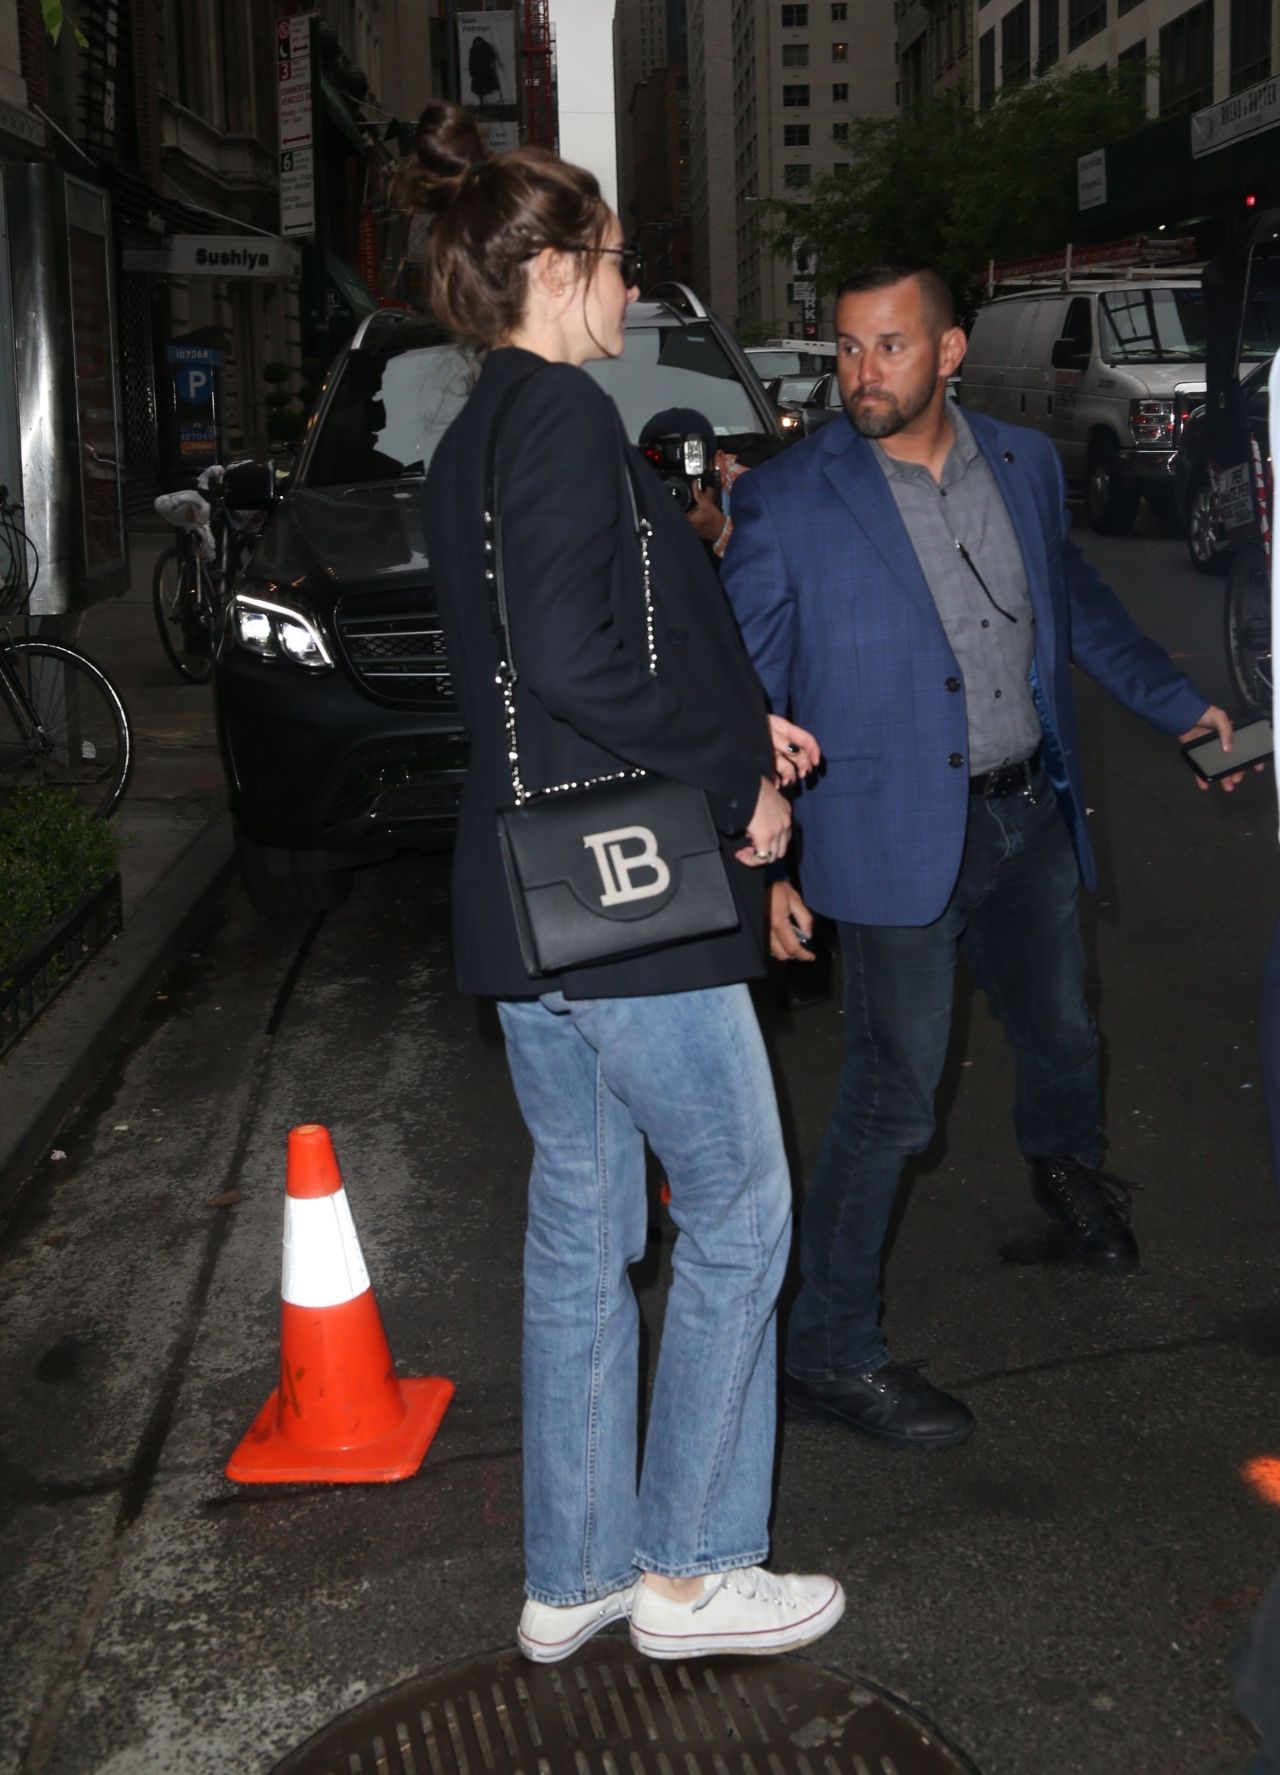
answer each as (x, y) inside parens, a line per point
(59, 1060)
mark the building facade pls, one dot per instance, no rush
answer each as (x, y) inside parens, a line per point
(639, 49)
(713, 234)
(1200, 53)
(777, 107)
(934, 42)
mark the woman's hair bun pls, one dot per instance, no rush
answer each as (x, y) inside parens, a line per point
(447, 145)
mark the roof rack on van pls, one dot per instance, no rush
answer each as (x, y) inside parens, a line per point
(1141, 256)
(820, 347)
(680, 297)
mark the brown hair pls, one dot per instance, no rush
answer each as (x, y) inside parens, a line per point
(492, 213)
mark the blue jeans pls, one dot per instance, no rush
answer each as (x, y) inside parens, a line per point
(1013, 916)
(595, 1078)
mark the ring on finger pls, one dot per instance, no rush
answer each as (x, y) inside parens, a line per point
(764, 856)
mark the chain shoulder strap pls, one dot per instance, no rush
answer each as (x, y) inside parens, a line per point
(495, 580)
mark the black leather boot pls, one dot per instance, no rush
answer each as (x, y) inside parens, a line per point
(1094, 1210)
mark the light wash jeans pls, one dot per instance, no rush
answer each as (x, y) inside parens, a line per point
(594, 1078)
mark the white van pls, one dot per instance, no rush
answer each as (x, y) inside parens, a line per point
(1110, 369)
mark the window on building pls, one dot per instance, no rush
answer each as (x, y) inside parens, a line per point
(795, 18)
(1015, 44)
(1136, 52)
(1250, 42)
(796, 175)
(1050, 26)
(839, 52)
(1085, 18)
(839, 132)
(795, 135)
(839, 11)
(1126, 6)
(1186, 61)
(795, 55)
(986, 67)
(840, 93)
(951, 32)
(797, 96)
(962, 27)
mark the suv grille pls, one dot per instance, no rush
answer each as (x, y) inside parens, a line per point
(395, 647)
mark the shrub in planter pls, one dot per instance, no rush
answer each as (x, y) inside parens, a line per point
(52, 853)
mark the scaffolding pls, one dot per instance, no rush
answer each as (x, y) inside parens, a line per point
(541, 116)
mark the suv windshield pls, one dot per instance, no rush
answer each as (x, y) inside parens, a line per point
(389, 409)
(1153, 326)
(676, 367)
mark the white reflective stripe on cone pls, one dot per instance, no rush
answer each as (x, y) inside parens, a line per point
(322, 1262)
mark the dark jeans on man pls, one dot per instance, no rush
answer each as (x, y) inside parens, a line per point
(1013, 917)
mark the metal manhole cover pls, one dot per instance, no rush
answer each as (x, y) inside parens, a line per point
(610, 1712)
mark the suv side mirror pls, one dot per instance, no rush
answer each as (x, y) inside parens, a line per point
(1067, 355)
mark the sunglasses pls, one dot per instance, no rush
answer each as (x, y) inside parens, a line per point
(628, 263)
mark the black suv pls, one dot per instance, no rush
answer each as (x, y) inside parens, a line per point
(336, 720)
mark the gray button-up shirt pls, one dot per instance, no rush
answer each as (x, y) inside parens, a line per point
(994, 654)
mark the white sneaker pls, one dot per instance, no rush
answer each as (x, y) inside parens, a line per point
(744, 1611)
(547, 1634)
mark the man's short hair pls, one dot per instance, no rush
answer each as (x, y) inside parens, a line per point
(938, 301)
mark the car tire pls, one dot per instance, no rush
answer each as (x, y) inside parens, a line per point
(1248, 627)
(295, 892)
(1208, 553)
(1110, 501)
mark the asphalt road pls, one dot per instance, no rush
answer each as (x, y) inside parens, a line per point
(1059, 1594)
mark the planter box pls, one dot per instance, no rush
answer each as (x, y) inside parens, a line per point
(43, 971)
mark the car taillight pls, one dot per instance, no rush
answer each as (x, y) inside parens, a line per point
(1151, 424)
(1184, 407)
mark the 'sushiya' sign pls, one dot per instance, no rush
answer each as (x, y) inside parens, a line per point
(295, 104)
(228, 255)
(1245, 113)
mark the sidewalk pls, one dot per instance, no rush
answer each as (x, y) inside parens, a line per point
(174, 853)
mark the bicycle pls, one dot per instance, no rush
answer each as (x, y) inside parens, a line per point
(68, 727)
(193, 580)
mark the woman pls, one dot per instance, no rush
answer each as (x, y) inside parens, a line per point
(526, 264)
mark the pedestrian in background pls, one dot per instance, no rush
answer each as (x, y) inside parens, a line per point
(527, 265)
(908, 588)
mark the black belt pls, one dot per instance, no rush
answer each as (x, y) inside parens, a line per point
(1006, 779)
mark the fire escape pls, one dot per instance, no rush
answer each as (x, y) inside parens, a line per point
(539, 75)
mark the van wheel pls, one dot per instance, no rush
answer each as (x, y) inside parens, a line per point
(292, 894)
(1248, 627)
(1112, 505)
(1204, 543)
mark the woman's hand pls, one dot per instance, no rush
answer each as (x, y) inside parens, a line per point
(795, 751)
(769, 829)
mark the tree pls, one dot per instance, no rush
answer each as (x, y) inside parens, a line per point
(954, 187)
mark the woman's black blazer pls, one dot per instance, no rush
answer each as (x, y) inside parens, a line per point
(586, 700)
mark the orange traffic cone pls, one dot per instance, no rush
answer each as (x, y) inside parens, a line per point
(339, 1414)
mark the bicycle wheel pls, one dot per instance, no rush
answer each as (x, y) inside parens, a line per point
(185, 613)
(68, 728)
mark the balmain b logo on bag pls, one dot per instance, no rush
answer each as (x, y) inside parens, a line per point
(615, 866)
(614, 870)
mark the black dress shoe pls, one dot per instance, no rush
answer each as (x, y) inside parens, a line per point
(894, 1404)
(1094, 1210)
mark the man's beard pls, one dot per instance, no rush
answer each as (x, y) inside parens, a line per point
(888, 415)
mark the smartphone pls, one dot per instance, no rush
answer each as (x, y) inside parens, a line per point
(1253, 741)
(802, 937)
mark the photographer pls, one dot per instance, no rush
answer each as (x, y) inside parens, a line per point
(662, 441)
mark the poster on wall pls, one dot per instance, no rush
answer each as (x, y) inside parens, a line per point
(488, 75)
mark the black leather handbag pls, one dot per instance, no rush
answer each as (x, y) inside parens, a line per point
(615, 866)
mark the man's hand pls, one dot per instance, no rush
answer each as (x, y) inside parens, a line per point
(769, 830)
(1216, 720)
(705, 515)
(786, 906)
(795, 752)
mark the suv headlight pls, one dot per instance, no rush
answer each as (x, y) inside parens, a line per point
(1151, 424)
(278, 631)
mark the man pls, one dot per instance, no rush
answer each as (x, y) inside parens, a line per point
(908, 589)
